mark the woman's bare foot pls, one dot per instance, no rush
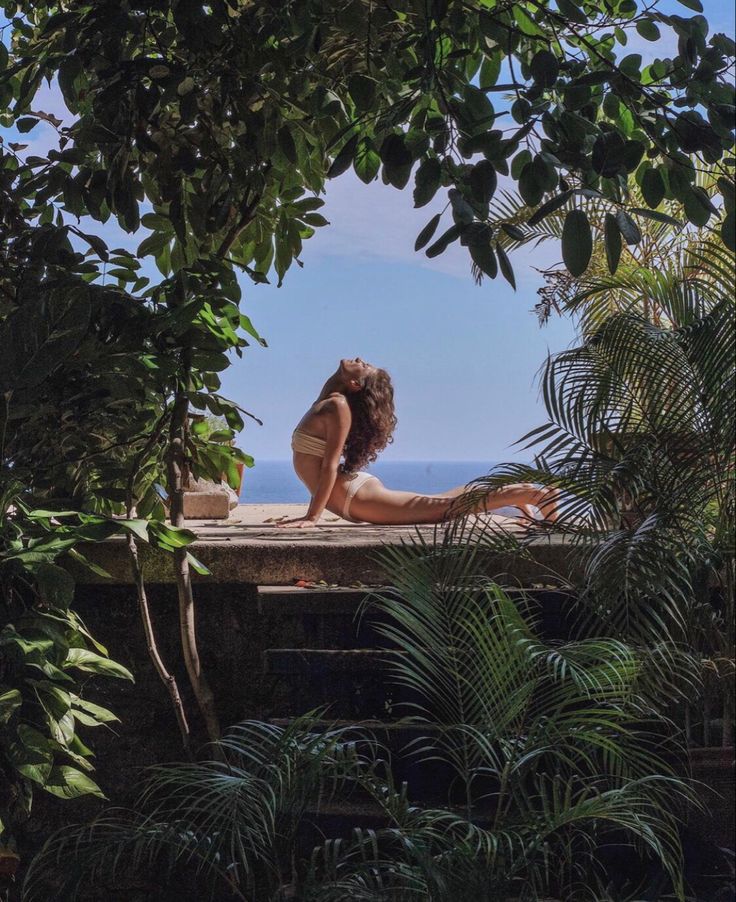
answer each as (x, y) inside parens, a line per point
(545, 501)
(549, 504)
(528, 514)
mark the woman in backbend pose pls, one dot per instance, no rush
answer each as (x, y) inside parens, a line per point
(353, 418)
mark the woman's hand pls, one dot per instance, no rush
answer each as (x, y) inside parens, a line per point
(298, 523)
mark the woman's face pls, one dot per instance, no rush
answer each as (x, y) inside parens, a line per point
(354, 370)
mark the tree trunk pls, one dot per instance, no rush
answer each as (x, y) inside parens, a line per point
(168, 679)
(177, 478)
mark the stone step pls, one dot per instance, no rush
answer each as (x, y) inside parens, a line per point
(337, 616)
(348, 683)
(319, 662)
(322, 616)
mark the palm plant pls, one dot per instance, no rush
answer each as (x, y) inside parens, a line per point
(659, 277)
(555, 750)
(640, 437)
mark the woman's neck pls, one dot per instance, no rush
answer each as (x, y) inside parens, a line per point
(333, 384)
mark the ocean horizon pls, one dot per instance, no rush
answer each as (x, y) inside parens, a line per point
(274, 481)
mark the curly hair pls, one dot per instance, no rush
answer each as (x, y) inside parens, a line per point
(374, 421)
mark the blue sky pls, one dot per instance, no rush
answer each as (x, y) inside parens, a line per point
(464, 359)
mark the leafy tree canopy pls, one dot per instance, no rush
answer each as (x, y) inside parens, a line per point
(213, 125)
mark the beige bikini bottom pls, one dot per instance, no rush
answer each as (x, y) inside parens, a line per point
(356, 480)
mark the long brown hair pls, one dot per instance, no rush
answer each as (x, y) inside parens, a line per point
(374, 421)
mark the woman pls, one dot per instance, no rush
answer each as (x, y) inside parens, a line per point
(353, 418)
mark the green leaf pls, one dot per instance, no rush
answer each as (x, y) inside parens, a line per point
(514, 232)
(247, 326)
(572, 11)
(526, 23)
(316, 220)
(397, 160)
(443, 242)
(427, 232)
(477, 110)
(633, 152)
(96, 243)
(728, 193)
(613, 243)
(504, 263)
(484, 258)
(490, 69)
(10, 701)
(550, 206)
(631, 66)
(694, 5)
(519, 162)
(97, 714)
(544, 68)
(26, 123)
(608, 154)
(427, 181)
(173, 536)
(89, 565)
(530, 185)
(139, 527)
(344, 159)
(287, 145)
(362, 91)
(656, 216)
(628, 227)
(696, 211)
(197, 565)
(125, 275)
(648, 30)
(67, 782)
(54, 584)
(653, 187)
(185, 86)
(31, 754)
(91, 662)
(42, 514)
(483, 181)
(367, 161)
(577, 242)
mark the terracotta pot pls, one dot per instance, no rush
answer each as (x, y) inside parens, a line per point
(236, 488)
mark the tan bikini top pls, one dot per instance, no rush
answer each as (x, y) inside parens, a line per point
(308, 444)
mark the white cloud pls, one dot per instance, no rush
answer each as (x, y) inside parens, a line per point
(380, 223)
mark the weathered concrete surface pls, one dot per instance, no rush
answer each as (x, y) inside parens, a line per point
(206, 505)
(250, 548)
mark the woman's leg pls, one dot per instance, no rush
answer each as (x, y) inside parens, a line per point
(374, 503)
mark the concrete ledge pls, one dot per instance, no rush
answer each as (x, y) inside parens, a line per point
(249, 548)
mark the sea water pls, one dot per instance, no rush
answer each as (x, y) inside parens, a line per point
(274, 481)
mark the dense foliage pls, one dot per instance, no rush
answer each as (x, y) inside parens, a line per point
(45, 652)
(641, 439)
(552, 748)
(76, 415)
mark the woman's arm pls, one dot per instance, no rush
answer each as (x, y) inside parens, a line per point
(338, 420)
